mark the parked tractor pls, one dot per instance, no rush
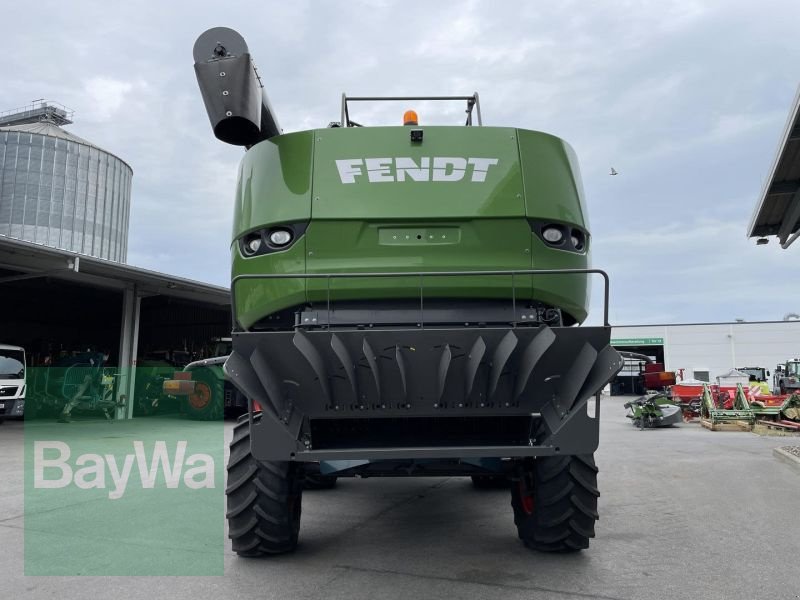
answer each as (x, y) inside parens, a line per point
(202, 389)
(786, 379)
(152, 370)
(758, 379)
(406, 302)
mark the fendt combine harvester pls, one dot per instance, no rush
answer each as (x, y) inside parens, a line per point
(406, 301)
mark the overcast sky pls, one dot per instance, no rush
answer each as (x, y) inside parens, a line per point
(686, 100)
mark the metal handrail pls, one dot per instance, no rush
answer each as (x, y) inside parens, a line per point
(473, 102)
(422, 274)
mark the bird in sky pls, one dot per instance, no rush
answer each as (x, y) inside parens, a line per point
(613, 171)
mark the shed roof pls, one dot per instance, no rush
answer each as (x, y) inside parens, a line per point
(778, 210)
(36, 260)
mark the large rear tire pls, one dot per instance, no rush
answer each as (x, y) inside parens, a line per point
(207, 402)
(264, 499)
(555, 502)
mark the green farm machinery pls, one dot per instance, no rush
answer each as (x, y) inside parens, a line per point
(407, 301)
(714, 415)
(653, 410)
(780, 412)
(774, 412)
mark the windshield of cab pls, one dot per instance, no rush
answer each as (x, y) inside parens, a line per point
(12, 364)
(754, 374)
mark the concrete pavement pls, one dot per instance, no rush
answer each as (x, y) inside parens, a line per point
(685, 513)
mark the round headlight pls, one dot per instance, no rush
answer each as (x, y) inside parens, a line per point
(552, 234)
(254, 244)
(577, 240)
(280, 237)
(251, 244)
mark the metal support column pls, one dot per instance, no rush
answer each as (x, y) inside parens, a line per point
(128, 349)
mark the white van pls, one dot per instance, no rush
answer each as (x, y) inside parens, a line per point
(12, 381)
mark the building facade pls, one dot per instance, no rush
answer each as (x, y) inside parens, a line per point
(707, 350)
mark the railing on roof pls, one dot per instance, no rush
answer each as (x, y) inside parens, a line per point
(36, 112)
(472, 103)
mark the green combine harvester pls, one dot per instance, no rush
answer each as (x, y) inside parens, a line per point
(406, 302)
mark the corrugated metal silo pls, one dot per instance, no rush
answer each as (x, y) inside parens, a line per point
(60, 190)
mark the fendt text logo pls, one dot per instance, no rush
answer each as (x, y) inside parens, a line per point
(403, 168)
(89, 470)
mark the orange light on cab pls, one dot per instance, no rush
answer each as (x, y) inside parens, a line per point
(410, 118)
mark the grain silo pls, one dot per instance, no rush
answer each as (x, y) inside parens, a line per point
(60, 190)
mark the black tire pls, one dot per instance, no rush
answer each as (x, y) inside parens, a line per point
(315, 481)
(264, 499)
(207, 403)
(555, 502)
(490, 482)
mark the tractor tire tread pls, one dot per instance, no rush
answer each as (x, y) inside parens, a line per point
(264, 501)
(565, 504)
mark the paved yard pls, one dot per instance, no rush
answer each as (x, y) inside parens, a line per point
(685, 513)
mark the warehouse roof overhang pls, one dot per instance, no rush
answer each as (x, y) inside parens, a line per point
(29, 260)
(778, 211)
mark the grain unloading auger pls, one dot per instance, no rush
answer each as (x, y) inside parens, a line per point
(406, 301)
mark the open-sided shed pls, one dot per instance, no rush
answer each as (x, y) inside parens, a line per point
(54, 300)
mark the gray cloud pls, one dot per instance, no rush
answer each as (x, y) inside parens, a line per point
(685, 99)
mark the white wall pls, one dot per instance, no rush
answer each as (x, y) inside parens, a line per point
(722, 346)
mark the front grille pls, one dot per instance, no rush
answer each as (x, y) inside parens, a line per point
(8, 390)
(409, 432)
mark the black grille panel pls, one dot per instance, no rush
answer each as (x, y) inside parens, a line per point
(409, 432)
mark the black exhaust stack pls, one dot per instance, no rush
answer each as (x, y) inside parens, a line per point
(236, 103)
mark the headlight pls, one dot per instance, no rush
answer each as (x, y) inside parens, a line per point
(280, 237)
(552, 234)
(577, 240)
(271, 239)
(252, 243)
